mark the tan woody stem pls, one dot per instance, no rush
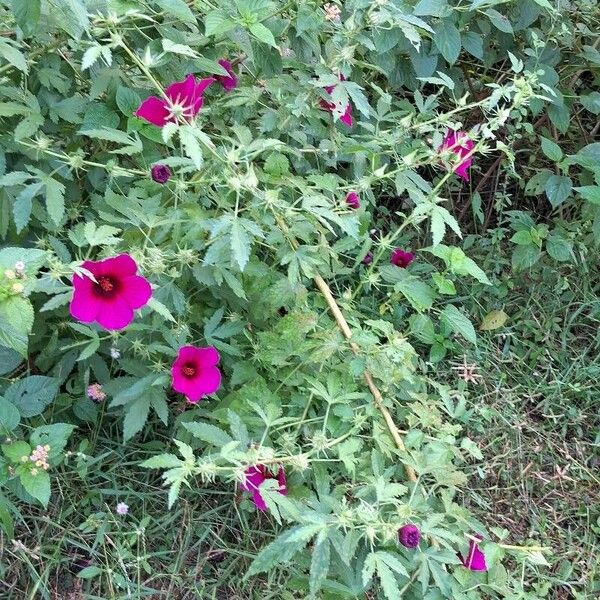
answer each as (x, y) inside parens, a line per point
(377, 397)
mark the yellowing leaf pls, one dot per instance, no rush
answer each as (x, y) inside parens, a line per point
(493, 320)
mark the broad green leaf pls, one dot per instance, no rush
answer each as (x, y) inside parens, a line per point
(16, 322)
(551, 149)
(27, 14)
(15, 451)
(559, 248)
(12, 55)
(459, 323)
(89, 572)
(217, 23)
(178, 9)
(447, 40)
(262, 33)
(162, 461)
(128, 101)
(32, 394)
(590, 193)
(558, 189)
(433, 8)
(37, 485)
(9, 416)
(9, 360)
(499, 20)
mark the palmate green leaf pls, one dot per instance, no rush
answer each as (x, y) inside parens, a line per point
(37, 485)
(459, 323)
(208, 433)
(319, 566)
(283, 548)
(136, 416)
(433, 8)
(191, 146)
(240, 244)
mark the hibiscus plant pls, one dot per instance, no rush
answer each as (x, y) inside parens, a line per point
(189, 210)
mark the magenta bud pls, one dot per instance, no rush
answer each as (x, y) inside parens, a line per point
(409, 535)
(160, 173)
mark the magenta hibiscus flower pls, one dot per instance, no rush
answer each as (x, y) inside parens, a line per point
(195, 372)
(183, 101)
(255, 476)
(353, 201)
(475, 559)
(400, 258)
(346, 118)
(409, 535)
(458, 143)
(229, 82)
(112, 298)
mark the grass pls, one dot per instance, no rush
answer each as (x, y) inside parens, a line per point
(536, 421)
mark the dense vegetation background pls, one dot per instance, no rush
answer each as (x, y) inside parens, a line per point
(384, 216)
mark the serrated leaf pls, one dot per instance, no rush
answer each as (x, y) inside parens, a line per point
(240, 244)
(551, 149)
(16, 322)
(319, 565)
(161, 309)
(128, 101)
(12, 55)
(590, 193)
(217, 23)
(55, 199)
(162, 461)
(493, 320)
(191, 146)
(9, 416)
(135, 417)
(90, 56)
(27, 14)
(208, 433)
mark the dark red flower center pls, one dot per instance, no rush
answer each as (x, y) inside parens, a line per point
(189, 370)
(106, 286)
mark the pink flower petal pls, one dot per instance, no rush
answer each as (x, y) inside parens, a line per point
(229, 82)
(346, 118)
(182, 92)
(136, 291)
(259, 501)
(475, 560)
(119, 266)
(208, 356)
(114, 314)
(81, 308)
(155, 111)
